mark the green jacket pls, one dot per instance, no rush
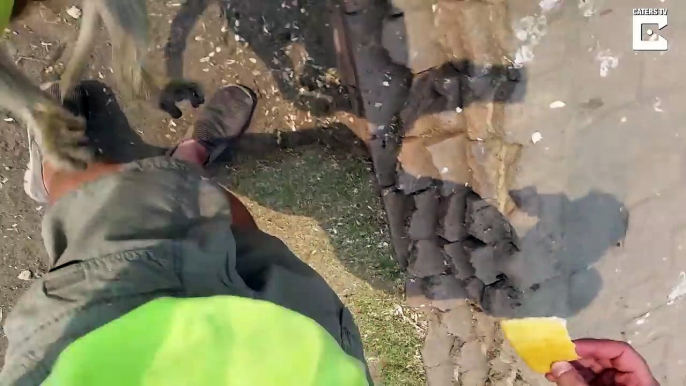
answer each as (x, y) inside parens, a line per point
(221, 340)
(5, 12)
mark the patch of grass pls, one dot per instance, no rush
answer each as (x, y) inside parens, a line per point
(338, 193)
(326, 209)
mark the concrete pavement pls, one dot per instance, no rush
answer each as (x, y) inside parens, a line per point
(619, 136)
(543, 111)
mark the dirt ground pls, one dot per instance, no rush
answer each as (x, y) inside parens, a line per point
(301, 106)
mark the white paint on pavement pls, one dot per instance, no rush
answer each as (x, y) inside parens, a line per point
(642, 319)
(536, 137)
(587, 7)
(74, 12)
(529, 30)
(607, 61)
(557, 105)
(679, 290)
(524, 54)
(657, 106)
(25, 275)
(547, 5)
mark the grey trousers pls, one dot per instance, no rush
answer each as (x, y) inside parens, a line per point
(155, 229)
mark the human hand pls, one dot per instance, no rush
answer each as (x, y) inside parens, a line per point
(603, 363)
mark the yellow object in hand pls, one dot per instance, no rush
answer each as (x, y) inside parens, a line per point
(540, 342)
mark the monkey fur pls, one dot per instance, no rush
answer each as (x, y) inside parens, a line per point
(61, 135)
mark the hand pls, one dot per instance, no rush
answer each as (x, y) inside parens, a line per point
(603, 363)
(178, 90)
(61, 136)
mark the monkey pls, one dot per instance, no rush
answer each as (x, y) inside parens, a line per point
(127, 23)
(61, 135)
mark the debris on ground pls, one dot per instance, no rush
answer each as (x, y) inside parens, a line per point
(25, 275)
(536, 137)
(74, 12)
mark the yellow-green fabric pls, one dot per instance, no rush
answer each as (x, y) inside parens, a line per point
(221, 340)
(5, 12)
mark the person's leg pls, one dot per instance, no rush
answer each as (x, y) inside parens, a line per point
(193, 152)
(220, 124)
(60, 182)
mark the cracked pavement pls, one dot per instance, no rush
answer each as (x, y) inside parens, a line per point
(532, 164)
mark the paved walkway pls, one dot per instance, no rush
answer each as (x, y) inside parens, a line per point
(531, 163)
(612, 156)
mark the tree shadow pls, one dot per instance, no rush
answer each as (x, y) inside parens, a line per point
(293, 38)
(316, 27)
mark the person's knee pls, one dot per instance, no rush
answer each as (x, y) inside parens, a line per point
(60, 182)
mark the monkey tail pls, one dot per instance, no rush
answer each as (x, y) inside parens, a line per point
(82, 49)
(127, 22)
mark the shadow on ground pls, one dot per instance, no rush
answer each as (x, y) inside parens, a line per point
(546, 272)
(551, 272)
(293, 38)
